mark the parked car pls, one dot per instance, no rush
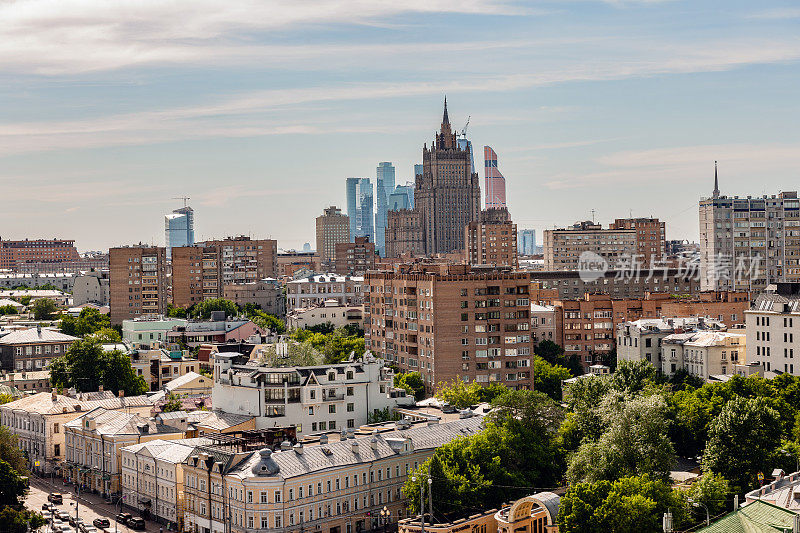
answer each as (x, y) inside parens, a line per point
(45, 507)
(86, 528)
(75, 522)
(136, 522)
(101, 523)
(123, 518)
(63, 516)
(58, 525)
(56, 498)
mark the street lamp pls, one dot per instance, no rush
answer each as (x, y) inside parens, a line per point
(701, 504)
(385, 513)
(116, 516)
(787, 453)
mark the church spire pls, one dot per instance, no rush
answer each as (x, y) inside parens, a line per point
(445, 118)
(715, 194)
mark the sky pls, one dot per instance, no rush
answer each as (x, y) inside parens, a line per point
(258, 110)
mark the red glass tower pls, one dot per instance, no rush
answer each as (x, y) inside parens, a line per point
(495, 182)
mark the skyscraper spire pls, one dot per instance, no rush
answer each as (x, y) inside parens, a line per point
(445, 118)
(716, 182)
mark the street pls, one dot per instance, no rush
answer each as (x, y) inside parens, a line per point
(90, 506)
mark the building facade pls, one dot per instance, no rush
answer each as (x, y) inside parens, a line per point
(313, 399)
(355, 258)
(495, 182)
(14, 254)
(91, 287)
(179, 229)
(137, 282)
(452, 322)
(773, 328)
(492, 240)
(571, 284)
(315, 290)
(267, 294)
(404, 233)
(447, 193)
(332, 228)
(32, 348)
(384, 187)
(330, 312)
(527, 241)
(360, 208)
(650, 238)
(749, 243)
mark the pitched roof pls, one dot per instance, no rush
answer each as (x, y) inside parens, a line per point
(338, 454)
(108, 422)
(185, 379)
(220, 420)
(34, 335)
(43, 403)
(756, 517)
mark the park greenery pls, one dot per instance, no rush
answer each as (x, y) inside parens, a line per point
(412, 382)
(8, 310)
(14, 517)
(88, 322)
(86, 366)
(43, 309)
(613, 440)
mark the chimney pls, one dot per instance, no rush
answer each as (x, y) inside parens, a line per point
(374, 443)
(39, 329)
(286, 445)
(354, 447)
(54, 396)
(121, 393)
(323, 439)
(100, 388)
(796, 524)
(298, 448)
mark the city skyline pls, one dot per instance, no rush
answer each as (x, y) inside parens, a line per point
(582, 100)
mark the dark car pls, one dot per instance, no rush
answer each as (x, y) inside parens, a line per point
(46, 506)
(56, 498)
(123, 518)
(101, 523)
(136, 522)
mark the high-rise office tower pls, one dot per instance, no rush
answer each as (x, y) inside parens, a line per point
(179, 228)
(332, 228)
(495, 182)
(527, 241)
(447, 194)
(384, 187)
(749, 243)
(360, 204)
(402, 197)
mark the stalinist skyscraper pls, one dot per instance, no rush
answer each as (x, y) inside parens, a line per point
(447, 193)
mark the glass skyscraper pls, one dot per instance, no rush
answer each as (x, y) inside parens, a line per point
(384, 187)
(495, 182)
(179, 228)
(360, 205)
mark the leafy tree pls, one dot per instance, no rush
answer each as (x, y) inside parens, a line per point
(326, 329)
(203, 309)
(6, 398)
(742, 441)
(382, 415)
(297, 354)
(10, 451)
(713, 491)
(20, 520)
(8, 310)
(627, 505)
(43, 308)
(548, 377)
(270, 322)
(682, 380)
(12, 485)
(89, 321)
(411, 382)
(176, 312)
(691, 417)
(173, 404)
(24, 300)
(107, 336)
(634, 443)
(458, 393)
(549, 351)
(633, 376)
(86, 366)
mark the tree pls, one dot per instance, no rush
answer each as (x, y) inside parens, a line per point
(634, 443)
(549, 351)
(296, 354)
(20, 520)
(10, 451)
(712, 490)
(175, 312)
(107, 336)
(86, 366)
(547, 377)
(203, 309)
(742, 441)
(6, 398)
(458, 393)
(628, 505)
(411, 382)
(12, 485)
(633, 376)
(8, 310)
(43, 308)
(89, 321)
(173, 404)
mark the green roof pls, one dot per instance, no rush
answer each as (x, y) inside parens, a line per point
(756, 517)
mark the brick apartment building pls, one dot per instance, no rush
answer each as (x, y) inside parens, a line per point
(333, 227)
(492, 240)
(138, 281)
(452, 322)
(403, 233)
(586, 326)
(355, 258)
(651, 240)
(202, 271)
(14, 254)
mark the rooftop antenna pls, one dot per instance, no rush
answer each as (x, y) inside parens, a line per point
(592, 216)
(184, 198)
(464, 129)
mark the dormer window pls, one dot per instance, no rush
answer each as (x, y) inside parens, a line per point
(331, 376)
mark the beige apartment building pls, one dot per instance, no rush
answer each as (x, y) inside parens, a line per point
(138, 282)
(773, 329)
(94, 442)
(492, 240)
(749, 243)
(355, 258)
(333, 228)
(331, 487)
(704, 353)
(202, 271)
(38, 421)
(622, 243)
(315, 290)
(452, 322)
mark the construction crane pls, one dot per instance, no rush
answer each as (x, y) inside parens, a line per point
(184, 198)
(464, 129)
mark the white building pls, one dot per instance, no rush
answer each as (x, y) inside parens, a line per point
(314, 290)
(153, 472)
(145, 333)
(91, 287)
(705, 353)
(314, 398)
(329, 312)
(773, 329)
(543, 323)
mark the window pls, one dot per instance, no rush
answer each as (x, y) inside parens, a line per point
(351, 407)
(277, 496)
(332, 409)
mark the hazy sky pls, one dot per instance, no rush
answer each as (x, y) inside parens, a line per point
(258, 110)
